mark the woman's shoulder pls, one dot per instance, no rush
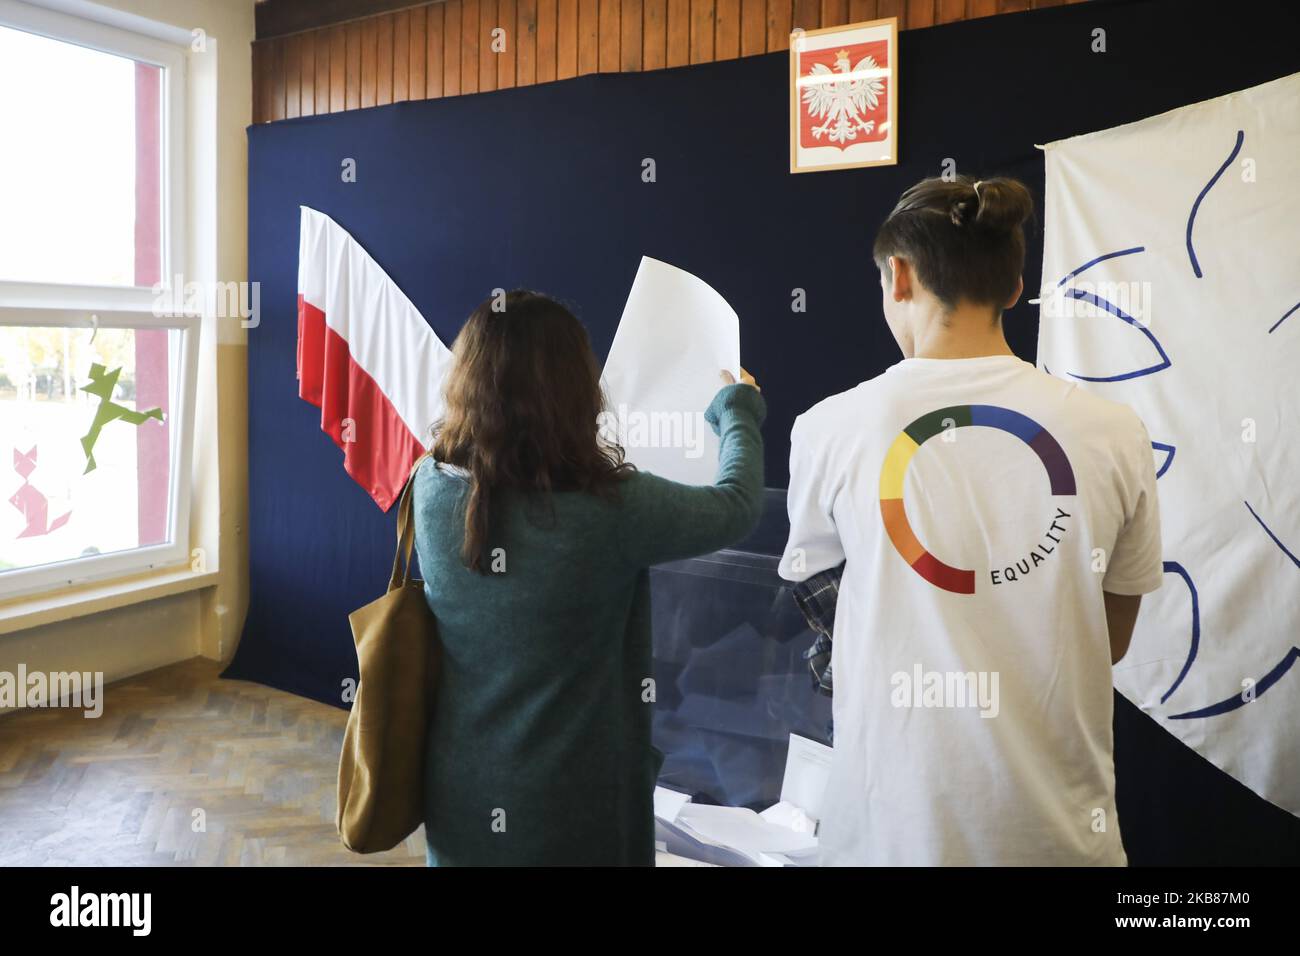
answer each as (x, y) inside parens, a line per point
(435, 479)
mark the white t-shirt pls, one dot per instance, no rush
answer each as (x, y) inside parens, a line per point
(982, 507)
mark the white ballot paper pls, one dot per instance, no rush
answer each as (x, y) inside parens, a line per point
(743, 831)
(807, 771)
(675, 337)
(668, 803)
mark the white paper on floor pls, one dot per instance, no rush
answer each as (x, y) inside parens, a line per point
(782, 835)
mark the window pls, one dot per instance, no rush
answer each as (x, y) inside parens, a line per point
(85, 181)
(96, 369)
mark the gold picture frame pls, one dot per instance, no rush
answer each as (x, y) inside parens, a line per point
(853, 95)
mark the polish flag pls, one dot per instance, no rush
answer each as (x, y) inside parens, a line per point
(366, 357)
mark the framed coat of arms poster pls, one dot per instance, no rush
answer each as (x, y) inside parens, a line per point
(844, 96)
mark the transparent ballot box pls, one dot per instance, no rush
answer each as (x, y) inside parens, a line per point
(730, 679)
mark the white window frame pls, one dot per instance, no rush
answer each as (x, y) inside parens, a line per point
(80, 306)
(176, 549)
(173, 60)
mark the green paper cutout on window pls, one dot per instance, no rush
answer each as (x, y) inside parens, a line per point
(101, 385)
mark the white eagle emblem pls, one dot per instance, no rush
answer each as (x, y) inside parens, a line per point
(843, 103)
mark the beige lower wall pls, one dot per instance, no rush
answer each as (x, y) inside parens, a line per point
(119, 643)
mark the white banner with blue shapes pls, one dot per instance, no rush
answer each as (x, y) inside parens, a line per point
(1171, 282)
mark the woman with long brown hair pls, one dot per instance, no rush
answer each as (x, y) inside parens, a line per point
(534, 538)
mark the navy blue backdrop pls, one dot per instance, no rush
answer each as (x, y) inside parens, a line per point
(541, 187)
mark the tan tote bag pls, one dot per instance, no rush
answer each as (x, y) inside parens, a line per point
(381, 768)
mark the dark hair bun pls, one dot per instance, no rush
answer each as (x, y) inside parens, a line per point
(999, 205)
(963, 207)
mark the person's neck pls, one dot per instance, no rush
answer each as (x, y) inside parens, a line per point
(961, 334)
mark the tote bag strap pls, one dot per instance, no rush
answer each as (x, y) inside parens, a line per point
(401, 575)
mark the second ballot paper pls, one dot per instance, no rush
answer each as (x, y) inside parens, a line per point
(674, 339)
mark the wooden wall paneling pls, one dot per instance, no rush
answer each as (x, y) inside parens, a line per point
(369, 62)
(950, 11)
(417, 46)
(654, 34)
(451, 15)
(435, 50)
(446, 48)
(588, 36)
(753, 27)
(508, 58)
(260, 98)
(384, 59)
(488, 20)
(322, 42)
(835, 13)
(338, 42)
(631, 29)
(307, 80)
(780, 20)
(892, 8)
(306, 74)
(920, 13)
(401, 56)
(807, 14)
(547, 13)
(566, 43)
(679, 32)
(292, 77)
(607, 57)
(469, 46)
(277, 79)
(702, 13)
(862, 10)
(726, 29)
(526, 51)
(352, 66)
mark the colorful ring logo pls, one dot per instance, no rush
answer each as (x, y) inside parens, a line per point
(958, 580)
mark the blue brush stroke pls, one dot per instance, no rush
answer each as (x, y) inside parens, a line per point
(1173, 567)
(1191, 253)
(1238, 700)
(1119, 313)
(1265, 682)
(1294, 559)
(1102, 258)
(1169, 452)
(1284, 318)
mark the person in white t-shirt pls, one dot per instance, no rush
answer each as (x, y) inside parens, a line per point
(997, 527)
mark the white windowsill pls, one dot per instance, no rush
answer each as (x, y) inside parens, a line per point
(68, 603)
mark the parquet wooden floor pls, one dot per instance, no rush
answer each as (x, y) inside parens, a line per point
(123, 789)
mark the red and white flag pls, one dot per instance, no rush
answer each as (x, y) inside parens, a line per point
(366, 357)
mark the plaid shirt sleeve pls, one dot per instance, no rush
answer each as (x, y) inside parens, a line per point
(817, 597)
